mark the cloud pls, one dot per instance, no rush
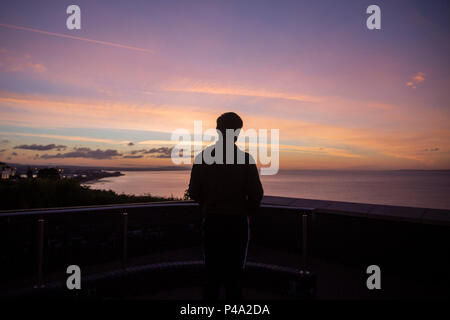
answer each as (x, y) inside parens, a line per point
(14, 154)
(385, 147)
(416, 79)
(5, 141)
(431, 149)
(208, 88)
(137, 151)
(14, 62)
(130, 144)
(61, 35)
(88, 153)
(85, 153)
(48, 110)
(132, 156)
(41, 147)
(162, 152)
(2, 150)
(61, 137)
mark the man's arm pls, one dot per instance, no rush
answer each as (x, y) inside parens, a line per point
(255, 190)
(194, 190)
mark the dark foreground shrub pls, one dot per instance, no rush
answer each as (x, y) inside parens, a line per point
(47, 193)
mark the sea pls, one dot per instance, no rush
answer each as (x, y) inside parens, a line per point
(415, 188)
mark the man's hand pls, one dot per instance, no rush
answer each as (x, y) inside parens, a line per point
(250, 221)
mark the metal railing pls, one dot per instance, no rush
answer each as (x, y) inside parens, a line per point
(126, 209)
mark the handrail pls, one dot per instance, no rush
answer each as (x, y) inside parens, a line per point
(49, 211)
(43, 213)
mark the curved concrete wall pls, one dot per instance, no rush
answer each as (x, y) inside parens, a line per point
(407, 243)
(373, 211)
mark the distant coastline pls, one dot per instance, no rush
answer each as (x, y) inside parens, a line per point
(97, 175)
(22, 167)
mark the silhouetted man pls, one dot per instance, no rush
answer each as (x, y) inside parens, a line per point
(225, 182)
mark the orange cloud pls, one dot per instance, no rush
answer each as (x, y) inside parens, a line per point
(399, 145)
(62, 137)
(415, 80)
(209, 88)
(50, 111)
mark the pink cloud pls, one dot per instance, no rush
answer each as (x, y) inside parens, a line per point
(14, 62)
(416, 79)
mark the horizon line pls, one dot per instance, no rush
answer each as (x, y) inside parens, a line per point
(188, 167)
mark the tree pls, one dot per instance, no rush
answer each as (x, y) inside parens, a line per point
(186, 195)
(48, 173)
(29, 173)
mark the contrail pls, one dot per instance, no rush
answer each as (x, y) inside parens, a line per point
(105, 43)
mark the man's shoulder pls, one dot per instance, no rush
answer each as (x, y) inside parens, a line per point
(199, 158)
(209, 152)
(245, 155)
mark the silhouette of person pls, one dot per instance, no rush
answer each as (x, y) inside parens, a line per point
(225, 182)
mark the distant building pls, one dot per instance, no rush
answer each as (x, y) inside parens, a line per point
(7, 171)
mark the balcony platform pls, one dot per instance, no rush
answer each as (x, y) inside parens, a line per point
(340, 240)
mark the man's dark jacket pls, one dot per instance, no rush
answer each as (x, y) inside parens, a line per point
(226, 189)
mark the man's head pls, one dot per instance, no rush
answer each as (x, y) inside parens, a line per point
(229, 120)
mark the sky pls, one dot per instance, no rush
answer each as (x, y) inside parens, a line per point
(112, 93)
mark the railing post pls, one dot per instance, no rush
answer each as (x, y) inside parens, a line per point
(304, 239)
(125, 240)
(40, 253)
